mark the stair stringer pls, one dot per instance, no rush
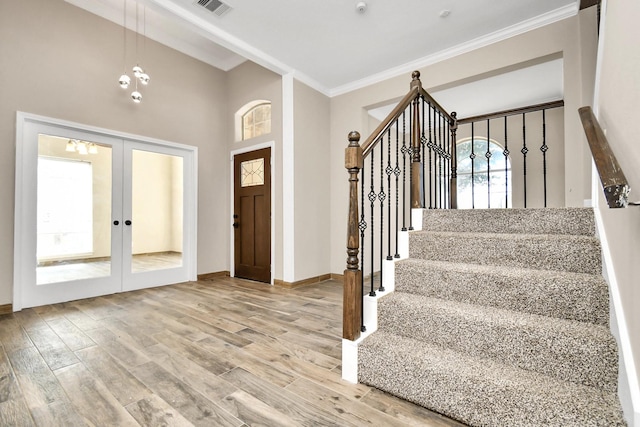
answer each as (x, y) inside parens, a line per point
(370, 304)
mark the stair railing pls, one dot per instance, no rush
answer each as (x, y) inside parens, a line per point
(413, 151)
(411, 160)
(614, 183)
(493, 142)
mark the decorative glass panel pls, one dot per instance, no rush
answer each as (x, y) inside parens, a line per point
(252, 173)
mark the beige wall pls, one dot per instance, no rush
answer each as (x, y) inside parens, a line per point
(63, 62)
(348, 111)
(312, 189)
(618, 111)
(157, 200)
(245, 83)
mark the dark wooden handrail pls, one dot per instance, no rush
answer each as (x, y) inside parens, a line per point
(512, 112)
(369, 143)
(415, 91)
(614, 183)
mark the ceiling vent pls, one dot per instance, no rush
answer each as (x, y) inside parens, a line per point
(215, 6)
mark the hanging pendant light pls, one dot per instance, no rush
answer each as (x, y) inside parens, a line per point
(138, 72)
(124, 79)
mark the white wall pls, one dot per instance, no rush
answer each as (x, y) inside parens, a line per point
(63, 62)
(618, 108)
(311, 164)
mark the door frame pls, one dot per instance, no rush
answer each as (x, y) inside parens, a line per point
(22, 119)
(233, 154)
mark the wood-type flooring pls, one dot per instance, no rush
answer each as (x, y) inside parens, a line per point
(224, 352)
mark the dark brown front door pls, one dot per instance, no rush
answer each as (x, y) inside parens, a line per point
(252, 215)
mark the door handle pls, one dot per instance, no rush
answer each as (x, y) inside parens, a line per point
(127, 222)
(116, 222)
(235, 225)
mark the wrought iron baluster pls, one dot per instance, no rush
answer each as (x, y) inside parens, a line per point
(430, 146)
(488, 156)
(441, 156)
(410, 153)
(423, 142)
(362, 225)
(447, 170)
(372, 199)
(524, 152)
(472, 156)
(389, 171)
(404, 171)
(544, 149)
(381, 198)
(506, 164)
(396, 172)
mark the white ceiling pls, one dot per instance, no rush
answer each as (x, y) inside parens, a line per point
(328, 44)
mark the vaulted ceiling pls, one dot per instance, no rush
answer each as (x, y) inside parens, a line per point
(329, 44)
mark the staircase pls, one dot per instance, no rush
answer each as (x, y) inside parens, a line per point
(499, 318)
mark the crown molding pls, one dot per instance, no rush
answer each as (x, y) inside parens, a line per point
(506, 33)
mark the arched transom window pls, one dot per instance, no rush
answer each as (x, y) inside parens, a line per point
(484, 175)
(256, 121)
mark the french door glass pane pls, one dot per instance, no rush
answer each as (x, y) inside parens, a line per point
(157, 211)
(73, 210)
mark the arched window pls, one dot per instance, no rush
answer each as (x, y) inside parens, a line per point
(256, 121)
(484, 175)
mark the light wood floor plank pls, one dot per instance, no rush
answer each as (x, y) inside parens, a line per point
(191, 404)
(206, 383)
(53, 350)
(121, 384)
(152, 411)
(91, 398)
(347, 409)
(12, 335)
(290, 404)
(219, 352)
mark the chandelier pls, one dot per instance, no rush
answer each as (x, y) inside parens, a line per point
(138, 73)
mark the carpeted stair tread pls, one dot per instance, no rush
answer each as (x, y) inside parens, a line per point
(578, 254)
(574, 221)
(573, 296)
(565, 349)
(480, 392)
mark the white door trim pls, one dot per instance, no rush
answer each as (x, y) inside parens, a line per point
(232, 154)
(22, 119)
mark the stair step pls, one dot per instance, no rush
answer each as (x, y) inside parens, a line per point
(574, 221)
(480, 392)
(578, 254)
(572, 296)
(568, 350)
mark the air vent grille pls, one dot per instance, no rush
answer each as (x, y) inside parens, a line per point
(215, 6)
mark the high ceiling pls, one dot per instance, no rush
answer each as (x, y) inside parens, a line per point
(328, 44)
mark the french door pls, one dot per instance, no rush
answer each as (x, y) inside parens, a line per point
(99, 213)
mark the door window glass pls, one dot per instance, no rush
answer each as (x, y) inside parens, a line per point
(252, 173)
(73, 210)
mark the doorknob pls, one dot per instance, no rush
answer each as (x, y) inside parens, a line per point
(235, 225)
(116, 222)
(127, 222)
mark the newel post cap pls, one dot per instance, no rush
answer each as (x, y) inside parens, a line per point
(353, 153)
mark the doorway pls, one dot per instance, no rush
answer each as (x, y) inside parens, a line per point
(99, 212)
(252, 215)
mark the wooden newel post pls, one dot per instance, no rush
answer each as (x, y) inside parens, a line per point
(352, 294)
(453, 202)
(417, 178)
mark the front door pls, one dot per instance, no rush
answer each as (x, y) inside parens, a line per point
(252, 215)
